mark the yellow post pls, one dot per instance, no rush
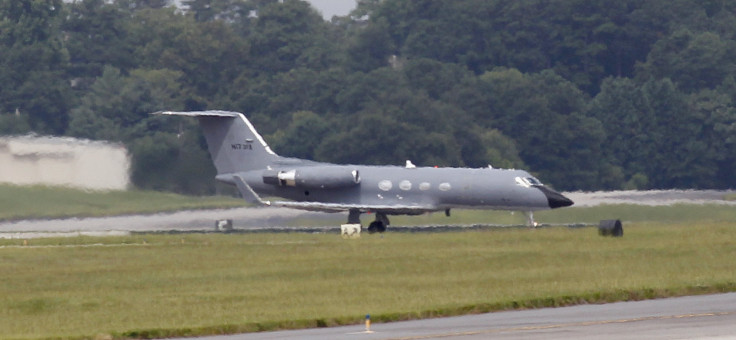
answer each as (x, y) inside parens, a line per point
(368, 323)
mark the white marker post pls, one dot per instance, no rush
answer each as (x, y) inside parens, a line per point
(350, 230)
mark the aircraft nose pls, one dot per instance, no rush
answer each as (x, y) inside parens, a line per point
(554, 198)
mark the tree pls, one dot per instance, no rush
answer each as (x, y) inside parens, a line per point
(32, 64)
(14, 124)
(681, 157)
(692, 61)
(207, 53)
(500, 151)
(654, 133)
(544, 114)
(433, 77)
(114, 104)
(621, 108)
(302, 136)
(370, 46)
(227, 10)
(96, 34)
(380, 139)
(136, 5)
(188, 167)
(301, 89)
(289, 34)
(718, 133)
(586, 93)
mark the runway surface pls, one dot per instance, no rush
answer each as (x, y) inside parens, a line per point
(691, 317)
(255, 218)
(190, 220)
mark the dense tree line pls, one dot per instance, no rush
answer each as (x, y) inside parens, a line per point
(588, 94)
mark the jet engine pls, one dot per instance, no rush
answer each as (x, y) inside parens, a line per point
(313, 177)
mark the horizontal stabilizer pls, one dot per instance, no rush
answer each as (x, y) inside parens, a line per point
(210, 113)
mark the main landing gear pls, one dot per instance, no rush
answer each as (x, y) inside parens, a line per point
(378, 226)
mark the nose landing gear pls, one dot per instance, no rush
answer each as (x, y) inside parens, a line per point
(530, 219)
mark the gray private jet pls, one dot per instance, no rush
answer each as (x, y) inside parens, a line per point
(243, 159)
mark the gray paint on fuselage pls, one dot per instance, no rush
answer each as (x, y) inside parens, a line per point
(469, 188)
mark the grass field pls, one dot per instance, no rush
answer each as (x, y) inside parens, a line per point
(677, 213)
(146, 286)
(166, 285)
(23, 202)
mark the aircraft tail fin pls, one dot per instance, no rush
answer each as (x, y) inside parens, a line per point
(232, 141)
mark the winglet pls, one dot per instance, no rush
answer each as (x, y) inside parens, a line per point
(248, 194)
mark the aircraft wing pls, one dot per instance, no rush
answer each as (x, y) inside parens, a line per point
(252, 197)
(337, 207)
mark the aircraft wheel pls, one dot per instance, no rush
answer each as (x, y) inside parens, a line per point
(376, 227)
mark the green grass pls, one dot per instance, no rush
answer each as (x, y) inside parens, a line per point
(175, 285)
(24, 202)
(627, 213)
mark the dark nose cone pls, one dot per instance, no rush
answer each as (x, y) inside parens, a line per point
(555, 199)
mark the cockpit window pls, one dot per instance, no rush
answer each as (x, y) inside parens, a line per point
(528, 181)
(533, 181)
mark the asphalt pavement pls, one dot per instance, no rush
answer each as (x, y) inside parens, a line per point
(690, 317)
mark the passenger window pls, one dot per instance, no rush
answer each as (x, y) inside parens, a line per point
(405, 185)
(385, 185)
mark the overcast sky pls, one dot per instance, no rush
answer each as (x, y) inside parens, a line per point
(328, 8)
